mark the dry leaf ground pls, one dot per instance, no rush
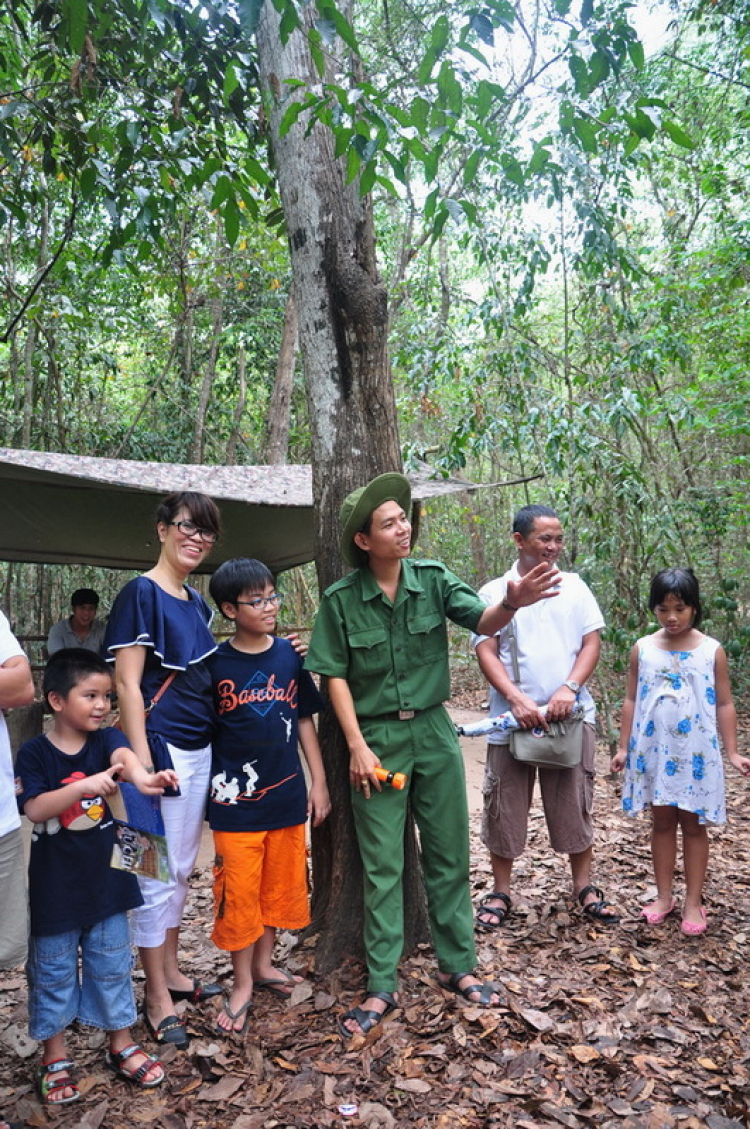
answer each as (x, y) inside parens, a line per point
(631, 1026)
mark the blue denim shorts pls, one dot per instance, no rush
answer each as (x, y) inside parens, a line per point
(98, 991)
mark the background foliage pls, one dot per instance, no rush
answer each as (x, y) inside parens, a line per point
(562, 213)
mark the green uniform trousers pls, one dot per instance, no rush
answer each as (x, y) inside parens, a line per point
(426, 748)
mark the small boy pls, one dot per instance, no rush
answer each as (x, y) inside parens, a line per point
(258, 802)
(78, 902)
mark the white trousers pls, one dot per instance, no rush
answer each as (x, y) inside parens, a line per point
(164, 902)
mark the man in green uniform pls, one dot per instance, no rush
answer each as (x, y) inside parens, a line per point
(380, 638)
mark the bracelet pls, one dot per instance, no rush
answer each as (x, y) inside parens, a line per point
(508, 607)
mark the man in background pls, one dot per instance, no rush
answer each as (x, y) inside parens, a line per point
(81, 628)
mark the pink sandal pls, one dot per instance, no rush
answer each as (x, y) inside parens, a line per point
(655, 916)
(690, 929)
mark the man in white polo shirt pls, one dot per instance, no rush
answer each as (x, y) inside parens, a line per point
(558, 648)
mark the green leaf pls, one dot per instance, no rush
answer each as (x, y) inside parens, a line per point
(342, 139)
(231, 82)
(598, 69)
(513, 170)
(87, 180)
(450, 88)
(586, 134)
(353, 164)
(367, 179)
(314, 41)
(291, 114)
(636, 53)
(440, 35)
(579, 71)
(420, 112)
(471, 167)
(397, 165)
(76, 12)
(341, 25)
(223, 191)
(678, 135)
(482, 26)
(289, 23)
(587, 11)
(231, 221)
(438, 41)
(249, 13)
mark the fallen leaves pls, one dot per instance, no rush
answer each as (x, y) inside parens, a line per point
(631, 1027)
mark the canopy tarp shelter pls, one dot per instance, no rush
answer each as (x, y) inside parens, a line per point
(76, 509)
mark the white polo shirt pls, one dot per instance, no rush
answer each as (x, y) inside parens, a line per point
(9, 817)
(548, 637)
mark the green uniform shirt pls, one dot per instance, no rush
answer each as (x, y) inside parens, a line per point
(394, 656)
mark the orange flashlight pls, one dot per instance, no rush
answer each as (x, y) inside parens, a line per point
(395, 779)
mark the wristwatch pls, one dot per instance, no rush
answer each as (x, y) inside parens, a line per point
(572, 685)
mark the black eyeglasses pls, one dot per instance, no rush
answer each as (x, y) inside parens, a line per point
(190, 529)
(260, 602)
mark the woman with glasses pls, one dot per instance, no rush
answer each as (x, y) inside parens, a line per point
(158, 637)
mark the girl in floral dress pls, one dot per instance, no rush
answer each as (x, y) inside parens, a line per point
(678, 695)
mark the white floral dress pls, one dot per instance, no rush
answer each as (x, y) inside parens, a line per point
(674, 757)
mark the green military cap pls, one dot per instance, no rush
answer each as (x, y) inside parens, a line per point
(362, 502)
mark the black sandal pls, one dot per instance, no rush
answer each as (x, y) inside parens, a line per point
(170, 1030)
(500, 913)
(485, 989)
(596, 911)
(367, 1019)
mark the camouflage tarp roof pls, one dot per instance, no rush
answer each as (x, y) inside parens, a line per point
(76, 509)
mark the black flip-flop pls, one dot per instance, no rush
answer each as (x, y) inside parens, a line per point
(244, 1009)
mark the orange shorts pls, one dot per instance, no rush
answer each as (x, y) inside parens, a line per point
(260, 879)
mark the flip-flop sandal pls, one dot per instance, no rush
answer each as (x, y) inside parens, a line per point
(500, 913)
(244, 1010)
(485, 988)
(367, 1018)
(657, 916)
(48, 1084)
(272, 984)
(116, 1060)
(596, 911)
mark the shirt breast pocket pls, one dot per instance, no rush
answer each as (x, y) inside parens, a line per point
(370, 650)
(426, 641)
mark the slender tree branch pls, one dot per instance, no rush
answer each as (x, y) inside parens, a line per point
(67, 233)
(707, 70)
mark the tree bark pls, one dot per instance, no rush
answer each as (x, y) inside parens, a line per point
(277, 447)
(342, 314)
(231, 455)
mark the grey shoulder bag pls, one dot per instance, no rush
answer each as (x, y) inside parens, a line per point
(560, 746)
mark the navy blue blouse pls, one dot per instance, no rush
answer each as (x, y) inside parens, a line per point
(176, 636)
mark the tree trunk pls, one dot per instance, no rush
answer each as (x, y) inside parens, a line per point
(277, 448)
(198, 444)
(239, 411)
(342, 314)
